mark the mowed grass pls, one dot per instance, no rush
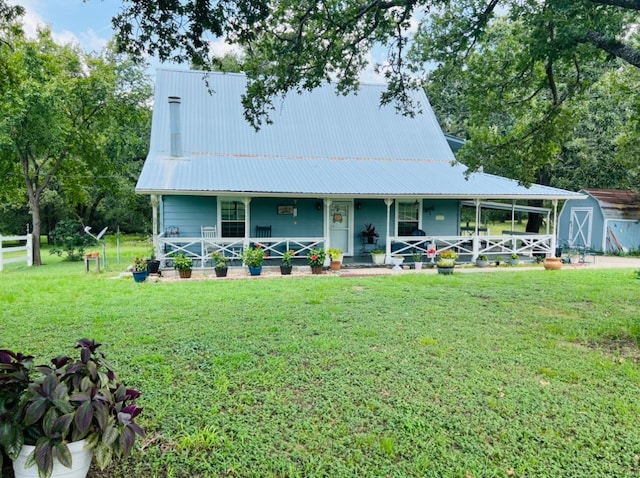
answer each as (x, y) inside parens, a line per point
(481, 375)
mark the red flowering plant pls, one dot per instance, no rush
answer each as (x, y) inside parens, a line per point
(316, 257)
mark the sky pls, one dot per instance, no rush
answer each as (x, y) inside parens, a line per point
(88, 24)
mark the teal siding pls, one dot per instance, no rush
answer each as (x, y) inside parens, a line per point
(308, 222)
(372, 211)
(432, 209)
(188, 213)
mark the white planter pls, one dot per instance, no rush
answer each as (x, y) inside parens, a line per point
(418, 266)
(80, 461)
(397, 261)
(378, 258)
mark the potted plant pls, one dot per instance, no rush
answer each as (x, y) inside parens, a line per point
(286, 267)
(253, 259)
(140, 272)
(315, 259)
(370, 233)
(377, 256)
(417, 260)
(482, 260)
(153, 265)
(15, 369)
(514, 259)
(498, 260)
(336, 258)
(183, 265)
(71, 410)
(219, 264)
(447, 261)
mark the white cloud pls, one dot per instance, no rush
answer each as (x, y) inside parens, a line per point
(88, 39)
(220, 48)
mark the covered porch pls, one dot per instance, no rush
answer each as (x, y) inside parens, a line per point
(469, 243)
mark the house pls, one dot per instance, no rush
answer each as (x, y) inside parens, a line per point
(328, 165)
(605, 220)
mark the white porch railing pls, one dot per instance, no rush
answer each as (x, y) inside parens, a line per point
(27, 248)
(521, 244)
(200, 248)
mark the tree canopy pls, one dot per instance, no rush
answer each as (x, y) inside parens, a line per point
(70, 122)
(298, 44)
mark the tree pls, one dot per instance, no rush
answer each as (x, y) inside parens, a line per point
(292, 45)
(56, 106)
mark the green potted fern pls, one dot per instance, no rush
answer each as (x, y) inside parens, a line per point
(286, 267)
(183, 265)
(220, 264)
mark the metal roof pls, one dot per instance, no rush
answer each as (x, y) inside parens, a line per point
(320, 144)
(617, 204)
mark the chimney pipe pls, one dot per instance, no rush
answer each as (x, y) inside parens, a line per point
(174, 126)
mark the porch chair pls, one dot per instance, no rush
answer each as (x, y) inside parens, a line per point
(170, 232)
(264, 231)
(208, 232)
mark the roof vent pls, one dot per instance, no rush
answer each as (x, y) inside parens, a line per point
(174, 126)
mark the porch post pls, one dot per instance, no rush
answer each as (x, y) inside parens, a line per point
(325, 223)
(555, 227)
(154, 227)
(387, 244)
(476, 234)
(247, 225)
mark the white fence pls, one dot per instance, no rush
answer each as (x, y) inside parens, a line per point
(27, 248)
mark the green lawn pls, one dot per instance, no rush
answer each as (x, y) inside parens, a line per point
(512, 374)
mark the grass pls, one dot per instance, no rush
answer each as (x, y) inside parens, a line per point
(481, 375)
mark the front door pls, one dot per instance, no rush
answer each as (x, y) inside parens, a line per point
(580, 226)
(340, 228)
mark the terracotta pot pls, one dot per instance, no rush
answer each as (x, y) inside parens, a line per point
(335, 265)
(553, 263)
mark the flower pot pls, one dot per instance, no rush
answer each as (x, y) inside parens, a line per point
(378, 258)
(140, 276)
(335, 265)
(397, 261)
(184, 273)
(445, 270)
(255, 271)
(153, 266)
(316, 269)
(418, 266)
(480, 263)
(221, 271)
(286, 270)
(552, 263)
(80, 463)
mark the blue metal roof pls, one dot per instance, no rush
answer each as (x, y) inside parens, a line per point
(320, 144)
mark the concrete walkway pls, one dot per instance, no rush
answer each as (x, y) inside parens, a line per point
(599, 262)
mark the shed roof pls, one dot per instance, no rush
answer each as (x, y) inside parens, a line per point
(617, 204)
(320, 144)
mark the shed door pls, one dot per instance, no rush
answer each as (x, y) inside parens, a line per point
(580, 226)
(340, 226)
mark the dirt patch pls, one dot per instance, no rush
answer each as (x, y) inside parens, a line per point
(618, 350)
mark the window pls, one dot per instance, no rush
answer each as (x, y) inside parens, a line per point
(232, 218)
(407, 217)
